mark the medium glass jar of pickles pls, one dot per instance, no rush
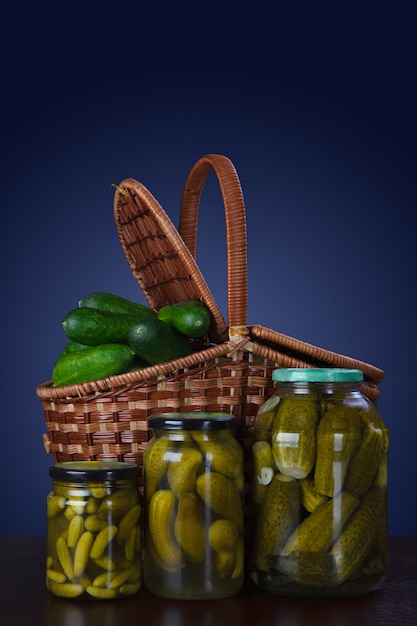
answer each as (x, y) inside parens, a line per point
(194, 507)
(94, 530)
(319, 499)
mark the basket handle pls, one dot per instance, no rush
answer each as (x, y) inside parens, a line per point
(236, 241)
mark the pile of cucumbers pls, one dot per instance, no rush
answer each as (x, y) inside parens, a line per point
(108, 334)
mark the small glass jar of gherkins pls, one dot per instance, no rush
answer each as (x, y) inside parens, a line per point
(319, 497)
(94, 530)
(194, 521)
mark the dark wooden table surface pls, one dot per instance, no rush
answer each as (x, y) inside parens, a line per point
(25, 601)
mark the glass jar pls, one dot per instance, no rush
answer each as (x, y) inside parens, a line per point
(94, 530)
(319, 497)
(194, 507)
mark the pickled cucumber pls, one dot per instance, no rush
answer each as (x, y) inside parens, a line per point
(128, 521)
(318, 531)
(265, 418)
(102, 540)
(314, 569)
(309, 497)
(189, 527)
(220, 494)
(55, 505)
(75, 530)
(224, 538)
(294, 436)
(277, 518)
(182, 474)
(263, 469)
(161, 516)
(221, 456)
(66, 590)
(354, 544)
(154, 557)
(82, 553)
(156, 458)
(118, 503)
(338, 437)
(365, 462)
(381, 477)
(65, 558)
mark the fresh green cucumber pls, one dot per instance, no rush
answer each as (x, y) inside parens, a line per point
(93, 363)
(72, 346)
(93, 327)
(190, 318)
(114, 304)
(156, 342)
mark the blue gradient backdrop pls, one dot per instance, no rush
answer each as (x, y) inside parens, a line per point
(321, 128)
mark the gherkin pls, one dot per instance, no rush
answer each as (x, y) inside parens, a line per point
(263, 470)
(220, 494)
(338, 437)
(189, 527)
(317, 531)
(294, 436)
(265, 418)
(156, 459)
(365, 462)
(223, 455)
(278, 516)
(225, 540)
(356, 541)
(181, 473)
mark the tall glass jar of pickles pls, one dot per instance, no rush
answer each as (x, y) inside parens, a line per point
(319, 499)
(194, 507)
(94, 530)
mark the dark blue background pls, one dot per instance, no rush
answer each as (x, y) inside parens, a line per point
(316, 111)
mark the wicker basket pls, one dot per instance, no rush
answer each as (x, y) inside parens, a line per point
(107, 419)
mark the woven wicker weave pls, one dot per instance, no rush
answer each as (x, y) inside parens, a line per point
(107, 419)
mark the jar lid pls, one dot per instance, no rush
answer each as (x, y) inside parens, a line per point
(94, 470)
(316, 375)
(193, 421)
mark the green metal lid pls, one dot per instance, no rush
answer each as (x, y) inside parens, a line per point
(94, 470)
(316, 375)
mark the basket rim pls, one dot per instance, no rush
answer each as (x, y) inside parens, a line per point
(315, 353)
(289, 352)
(46, 390)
